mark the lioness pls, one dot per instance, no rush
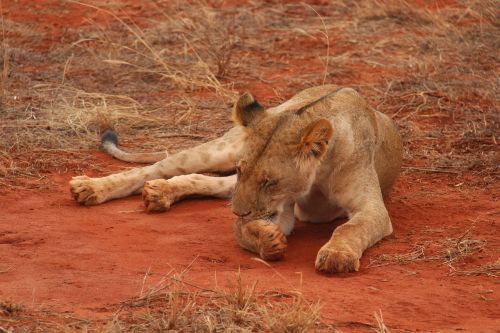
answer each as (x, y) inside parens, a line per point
(322, 155)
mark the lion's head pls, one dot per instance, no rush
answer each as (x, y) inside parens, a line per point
(283, 151)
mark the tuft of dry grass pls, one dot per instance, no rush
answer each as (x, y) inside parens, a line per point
(177, 305)
(449, 251)
(299, 316)
(240, 307)
(9, 308)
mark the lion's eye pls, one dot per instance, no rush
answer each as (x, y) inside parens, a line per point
(269, 183)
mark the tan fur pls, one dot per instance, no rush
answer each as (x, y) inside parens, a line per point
(261, 236)
(145, 158)
(160, 194)
(321, 155)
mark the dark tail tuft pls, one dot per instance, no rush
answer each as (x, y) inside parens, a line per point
(109, 136)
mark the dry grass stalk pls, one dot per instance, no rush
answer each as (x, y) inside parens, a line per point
(5, 72)
(5, 62)
(487, 270)
(327, 38)
(415, 254)
(381, 327)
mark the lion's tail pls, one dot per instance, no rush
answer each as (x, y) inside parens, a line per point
(109, 144)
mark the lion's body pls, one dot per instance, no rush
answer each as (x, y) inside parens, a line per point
(319, 156)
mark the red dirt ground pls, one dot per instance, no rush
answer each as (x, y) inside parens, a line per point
(85, 259)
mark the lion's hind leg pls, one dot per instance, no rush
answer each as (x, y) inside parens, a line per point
(219, 155)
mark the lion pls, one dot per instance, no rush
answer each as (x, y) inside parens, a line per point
(324, 154)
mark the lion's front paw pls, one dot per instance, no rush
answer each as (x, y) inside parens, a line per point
(273, 243)
(86, 191)
(158, 195)
(335, 259)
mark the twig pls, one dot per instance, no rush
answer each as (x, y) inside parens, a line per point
(423, 169)
(488, 270)
(325, 33)
(185, 135)
(144, 281)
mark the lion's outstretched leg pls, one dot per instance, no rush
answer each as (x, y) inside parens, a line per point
(160, 194)
(219, 155)
(369, 222)
(262, 237)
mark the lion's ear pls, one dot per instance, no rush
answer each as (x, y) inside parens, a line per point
(314, 139)
(247, 110)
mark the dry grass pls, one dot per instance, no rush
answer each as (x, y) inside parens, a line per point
(452, 250)
(415, 254)
(487, 270)
(179, 306)
(68, 118)
(381, 327)
(178, 69)
(4, 53)
(8, 308)
(5, 72)
(205, 38)
(176, 304)
(449, 251)
(441, 79)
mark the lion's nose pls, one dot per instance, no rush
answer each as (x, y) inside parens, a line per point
(241, 213)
